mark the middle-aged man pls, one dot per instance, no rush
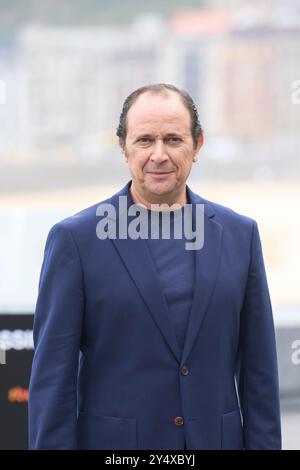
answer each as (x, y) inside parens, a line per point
(146, 342)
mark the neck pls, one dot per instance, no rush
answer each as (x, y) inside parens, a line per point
(147, 202)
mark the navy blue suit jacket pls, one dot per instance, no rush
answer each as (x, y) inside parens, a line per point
(107, 371)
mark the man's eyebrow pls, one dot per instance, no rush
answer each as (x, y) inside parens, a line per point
(144, 136)
(150, 136)
(173, 134)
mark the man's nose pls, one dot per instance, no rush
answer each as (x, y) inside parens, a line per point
(159, 153)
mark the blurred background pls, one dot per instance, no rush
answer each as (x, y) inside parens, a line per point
(66, 68)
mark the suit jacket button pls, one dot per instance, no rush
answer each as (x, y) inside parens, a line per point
(184, 370)
(178, 420)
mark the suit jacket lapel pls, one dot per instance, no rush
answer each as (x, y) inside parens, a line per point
(206, 268)
(137, 259)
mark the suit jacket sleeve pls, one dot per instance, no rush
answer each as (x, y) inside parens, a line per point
(257, 361)
(57, 334)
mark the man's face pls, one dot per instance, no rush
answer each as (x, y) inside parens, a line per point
(159, 147)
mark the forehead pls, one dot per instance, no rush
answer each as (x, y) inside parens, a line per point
(157, 111)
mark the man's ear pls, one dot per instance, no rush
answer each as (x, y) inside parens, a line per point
(122, 145)
(198, 147)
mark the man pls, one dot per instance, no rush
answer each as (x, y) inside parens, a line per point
(176, 345)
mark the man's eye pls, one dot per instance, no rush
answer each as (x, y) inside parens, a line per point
(174, 140)
(144, 140)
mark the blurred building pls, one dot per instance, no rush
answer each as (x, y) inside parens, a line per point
(74, 80)
(240, 69)
(9, 96)
(241, 73)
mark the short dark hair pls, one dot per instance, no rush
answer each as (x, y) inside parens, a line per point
(161, 88)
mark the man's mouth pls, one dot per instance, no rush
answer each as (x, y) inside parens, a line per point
(160, 173)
